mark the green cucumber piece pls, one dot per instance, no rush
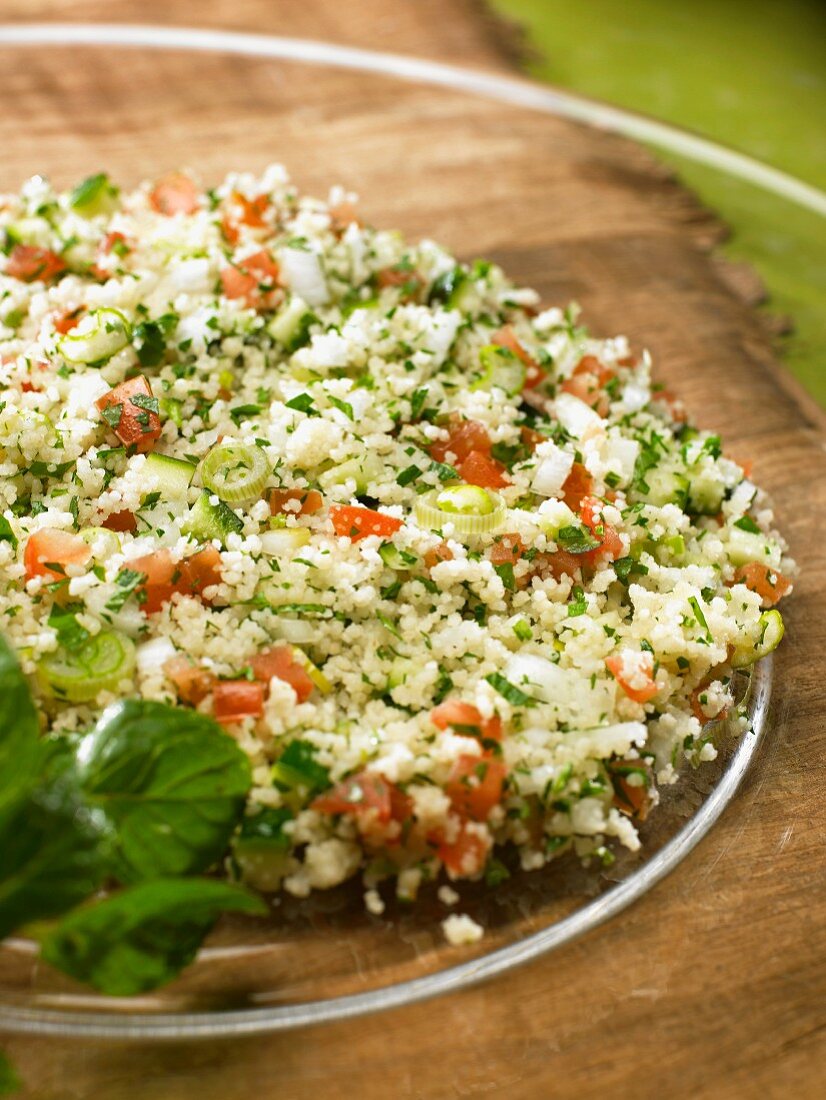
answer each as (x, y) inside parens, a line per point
(291, 325)
(172, 475)
(394, 558)
(210, 518)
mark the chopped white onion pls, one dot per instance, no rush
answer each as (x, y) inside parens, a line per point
(302, 270)
(296, 631)
(620, 455)
(153, 655)
(283, 540)
(552, 470)
(538, 677)
(575, 416)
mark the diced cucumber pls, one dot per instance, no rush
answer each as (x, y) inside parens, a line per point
(553, 515)
(95, 195)
(210, 518)
(394, 558)
(501, 369)
(772, 630)
(262, 849)
(291, 325)
(170, 408)
(172, 476)
(97, 338)
(706, 491)
(666, 487)
(399, 671)
(745, 546)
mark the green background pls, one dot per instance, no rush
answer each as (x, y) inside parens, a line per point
(751, 75)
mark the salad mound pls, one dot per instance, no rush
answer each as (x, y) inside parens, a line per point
(451, 573)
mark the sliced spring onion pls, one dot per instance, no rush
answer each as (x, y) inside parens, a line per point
(103, 542)
(313, 671)
(97, 338)
(235, 472)
(100, 664)
(283, 540)
(501, 369)
(469, 508)
(771, 634)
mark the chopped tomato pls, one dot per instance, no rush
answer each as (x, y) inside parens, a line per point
(769, 584)
(475, 785)
(506, 549)
(697, 707)
(482, 470)
(192, 683)
(29, 263)
(244, 211)
(559, 564)
(464, 436)
(577, 485)
(281, 500)
(505, 337)
(165, 577)
(120, 521)
(112, 242)
(630, 798)
(588, 383)
(409, 282)
(366, 793)
(30, 387)
(466, 854)
(442, 552)
(465, 718)
(639, 686)
(255, 280)
(357, 523)
(176, 193)
(281, 663)
(65, 322)
(235, 700)
(49, 551)
(531, 438)
(139, 423)
(610, 542)
(342, 215)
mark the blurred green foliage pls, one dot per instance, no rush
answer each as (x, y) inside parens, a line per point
(748, 73)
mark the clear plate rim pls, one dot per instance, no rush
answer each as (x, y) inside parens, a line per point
(533, 96)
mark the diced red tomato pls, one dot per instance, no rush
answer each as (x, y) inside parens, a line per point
(639, 693)
(281, 500)
(235, 700)
(769, 584)
(29, 387)
(464, 437)
(281, 663)
(588, 382)
(610, 547)
(110, 243)
(558, 564)
(506, 549)
(400, 277)
(505, 337)
(176, 193)
(578, 485)
(244, 211)
(366, 793)
(698, 710)
(65, 322)
(357, 523)
(466, 854)
(120, 521)
(138, 425)
(255, 280)
(342, 215)
(475, 785)
(192, 683)
(29, 263)
(165, 577)
(465, 718)
(632, 799)
(50, 551)
(442, 552)
(482, 470)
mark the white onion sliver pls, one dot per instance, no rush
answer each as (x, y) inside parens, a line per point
(302, 269)
(552, 470)
(575, 416)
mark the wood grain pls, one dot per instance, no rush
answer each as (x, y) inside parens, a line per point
(714, 984)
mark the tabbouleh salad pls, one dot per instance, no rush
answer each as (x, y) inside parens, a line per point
(452, 573)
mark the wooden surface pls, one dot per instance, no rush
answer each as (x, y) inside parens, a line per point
(714, 985)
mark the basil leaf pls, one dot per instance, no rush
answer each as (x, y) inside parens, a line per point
(70, 634)
(171, 784)
(52, 853)
(19, 736)
(143, 936)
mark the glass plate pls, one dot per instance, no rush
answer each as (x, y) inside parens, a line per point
(86, 104)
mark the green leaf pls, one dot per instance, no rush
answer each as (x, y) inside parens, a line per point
(70, 634)
(171, 784)
(19, 735)
(143, 936)
(7, 533)
(342, 406)
(52, 853)
(303, 402)
(9, 1081)
(746, 523)
(576, 539)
